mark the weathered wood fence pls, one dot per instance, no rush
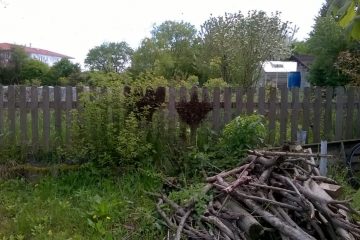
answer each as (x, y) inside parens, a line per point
(41, 117)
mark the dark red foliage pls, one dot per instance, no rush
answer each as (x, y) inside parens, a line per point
(193, 112)
(148, 103)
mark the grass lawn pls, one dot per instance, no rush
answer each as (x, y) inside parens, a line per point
(79, 205)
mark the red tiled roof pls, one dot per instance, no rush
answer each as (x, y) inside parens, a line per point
(8, 46)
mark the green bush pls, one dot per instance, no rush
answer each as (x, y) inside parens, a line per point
(242, 133)
(216, 82)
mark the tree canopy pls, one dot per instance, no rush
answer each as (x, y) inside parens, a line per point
(326, 41)
(170, 52)
(109, 57)
(240, 43)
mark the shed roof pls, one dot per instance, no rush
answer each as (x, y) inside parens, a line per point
(279, 66)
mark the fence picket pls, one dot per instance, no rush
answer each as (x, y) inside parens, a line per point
(216, 109)
(172, 112)
(239, 101)
(328, 114)
(183, 98)
(227, 105)
(34, 118)
(57, 108)
(317, 115)
(250, 100)
(1, 115)
(306, 111)
(23, 116)
(283, 113)
(261, 101)
(46, 117)
(11, 114)
(349, 113)
(339, 113)
(272, 114)
(294, 113)
(357, 120)
(68, 108)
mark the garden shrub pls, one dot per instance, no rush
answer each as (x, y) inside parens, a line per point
(242, 133)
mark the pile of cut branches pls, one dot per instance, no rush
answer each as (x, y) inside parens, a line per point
(272, 195)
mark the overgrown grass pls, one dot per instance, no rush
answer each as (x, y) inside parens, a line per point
(80, 205)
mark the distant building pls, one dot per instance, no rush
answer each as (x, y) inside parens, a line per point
(45, 56)
(275, 73)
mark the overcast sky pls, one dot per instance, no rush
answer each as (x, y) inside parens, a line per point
(72, 27)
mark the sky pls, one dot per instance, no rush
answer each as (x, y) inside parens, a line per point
(73, 27)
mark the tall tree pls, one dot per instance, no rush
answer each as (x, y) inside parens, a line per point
(170, 52)
(11, 67)
(326, 41)
(109, 57)
(239, 44)
(62, 69)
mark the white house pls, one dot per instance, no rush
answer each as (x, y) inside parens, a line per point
(45, 56)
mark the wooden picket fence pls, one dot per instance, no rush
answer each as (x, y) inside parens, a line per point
(41, 117)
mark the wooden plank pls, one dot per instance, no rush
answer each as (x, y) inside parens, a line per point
(172, 112)
(350, 127)
(239, 101)
(183, 98)
(57, 110)
(194, 97)
(205, 95)
(250, 100)
(216, 109)
(11, 114)
(357, 122)
(261, 101)
(34, 118)
(227, 105)
(339, 113)
(294, 113)
(283, 113)
(2, 128)
(68, 108)
(46, 117)
(328, 114)
(79, 104)
(317, 111)
(272, 115)
(306, 112)
(23, 116)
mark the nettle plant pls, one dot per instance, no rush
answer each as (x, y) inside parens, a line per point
(110, 130)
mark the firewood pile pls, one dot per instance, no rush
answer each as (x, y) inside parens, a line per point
(272, 195)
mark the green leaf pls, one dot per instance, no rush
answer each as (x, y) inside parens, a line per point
(348, 14)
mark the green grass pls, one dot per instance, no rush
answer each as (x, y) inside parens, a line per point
(80, 205)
